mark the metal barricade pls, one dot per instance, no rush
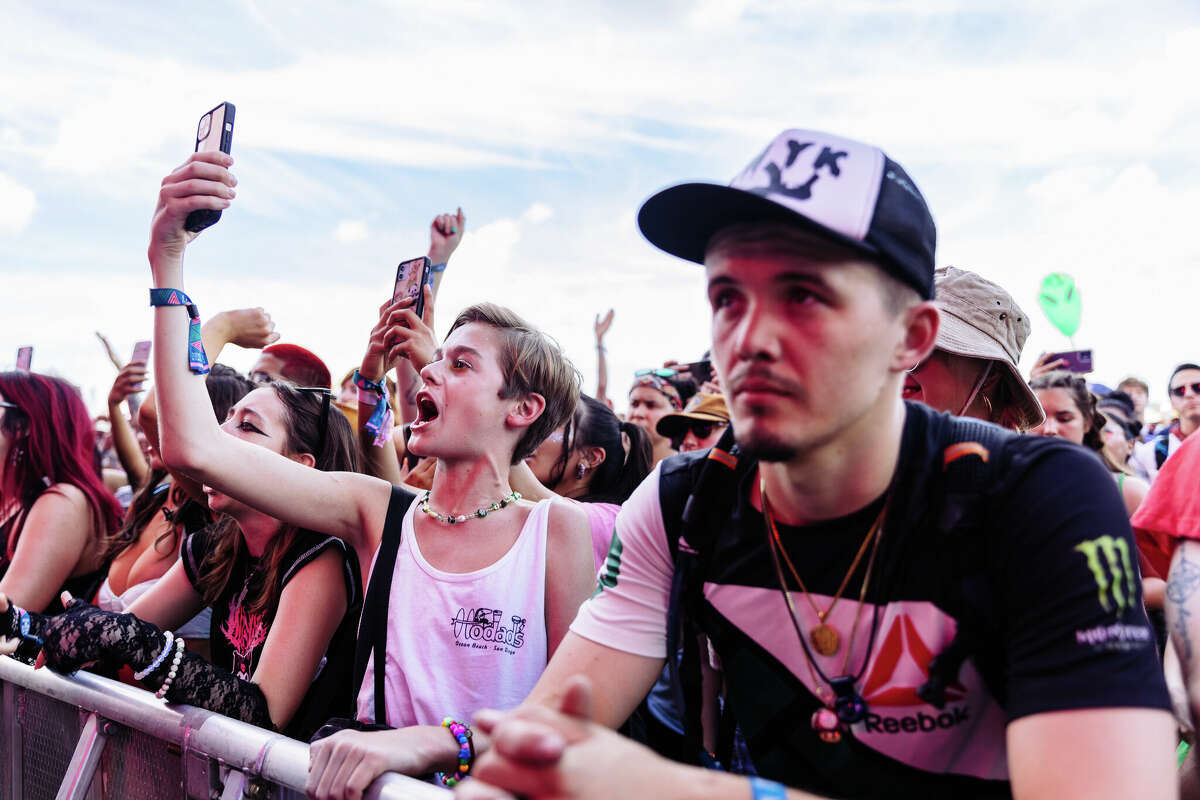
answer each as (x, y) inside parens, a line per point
(85, 737)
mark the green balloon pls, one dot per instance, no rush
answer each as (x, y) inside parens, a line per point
(1059, 298)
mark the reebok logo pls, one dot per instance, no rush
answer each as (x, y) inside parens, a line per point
(900, 668)
(923, 723)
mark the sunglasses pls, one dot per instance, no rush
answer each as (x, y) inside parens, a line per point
(662, 372)
(702, 430)
(1181, 389)
(261, 378)
(327, 398)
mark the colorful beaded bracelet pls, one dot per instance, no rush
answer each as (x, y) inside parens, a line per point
(466, 751)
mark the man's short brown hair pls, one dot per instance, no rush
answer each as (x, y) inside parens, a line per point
(532, 363)
(781, 237)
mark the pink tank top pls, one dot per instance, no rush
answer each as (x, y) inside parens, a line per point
(459, 642)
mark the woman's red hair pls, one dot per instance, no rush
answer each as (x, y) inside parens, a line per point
(50, 441)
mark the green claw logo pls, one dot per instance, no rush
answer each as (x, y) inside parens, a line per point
(1108, 559)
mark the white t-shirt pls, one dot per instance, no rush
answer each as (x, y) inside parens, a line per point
(459, 642)
(1144, 457)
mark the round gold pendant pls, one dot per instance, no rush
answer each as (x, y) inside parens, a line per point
(825, 640)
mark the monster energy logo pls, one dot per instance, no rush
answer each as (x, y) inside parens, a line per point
(612, 566)
(1108, 559)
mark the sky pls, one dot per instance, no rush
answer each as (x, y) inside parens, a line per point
(1046, 137)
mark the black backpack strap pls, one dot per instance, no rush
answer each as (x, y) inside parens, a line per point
(972, 460)
(713, 489)
(1162, 447)
(372, 625)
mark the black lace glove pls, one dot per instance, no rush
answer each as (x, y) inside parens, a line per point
(84, 635)
(203, 684)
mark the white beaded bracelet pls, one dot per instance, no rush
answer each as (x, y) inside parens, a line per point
(162, 690)
(157, 662)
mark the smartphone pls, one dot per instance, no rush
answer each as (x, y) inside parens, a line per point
(1079, 361)
(141, 353)
(701, 371)
(411, 277)
(24, 358)
(214, 132)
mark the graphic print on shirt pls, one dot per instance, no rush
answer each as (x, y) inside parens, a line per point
(484, 629)
(898, 724)
(244, 631)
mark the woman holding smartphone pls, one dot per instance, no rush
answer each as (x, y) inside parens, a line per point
(494, 391)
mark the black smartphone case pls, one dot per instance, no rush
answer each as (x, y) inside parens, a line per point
(203, 218)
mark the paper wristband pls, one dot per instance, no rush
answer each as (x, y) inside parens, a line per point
(197, 358)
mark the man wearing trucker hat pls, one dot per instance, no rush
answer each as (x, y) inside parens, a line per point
(904, 603)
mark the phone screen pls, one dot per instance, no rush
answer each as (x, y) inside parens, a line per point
(411, 277)
(24, 358)
(141, 352)
(1077, 361)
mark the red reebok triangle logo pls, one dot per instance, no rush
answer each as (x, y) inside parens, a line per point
(902, 640)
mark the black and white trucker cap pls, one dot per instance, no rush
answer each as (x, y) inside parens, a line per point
(847, 191)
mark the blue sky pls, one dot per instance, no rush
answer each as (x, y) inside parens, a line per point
(1046, 137)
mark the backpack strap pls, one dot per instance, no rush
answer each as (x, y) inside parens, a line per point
(372, 625)
(713, 483)
(972, 459)
(1162, 447)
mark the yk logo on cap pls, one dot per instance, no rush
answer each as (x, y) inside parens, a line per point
(831, 180)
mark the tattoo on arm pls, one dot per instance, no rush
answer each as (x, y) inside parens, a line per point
(1182, 583)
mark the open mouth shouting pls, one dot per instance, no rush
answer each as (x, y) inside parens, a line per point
(427, 410)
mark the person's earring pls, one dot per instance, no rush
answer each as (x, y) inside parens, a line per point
(987, 402)
(580, 470)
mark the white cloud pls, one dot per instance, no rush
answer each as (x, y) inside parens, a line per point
(351, 230)
(17, 204)
(538, 213)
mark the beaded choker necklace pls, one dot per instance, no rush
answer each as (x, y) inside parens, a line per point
(479, 513)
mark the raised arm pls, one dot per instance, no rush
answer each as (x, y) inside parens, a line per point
(445, 234)
(128, 383)
(341, 504)
(399, 339)
(601, 327)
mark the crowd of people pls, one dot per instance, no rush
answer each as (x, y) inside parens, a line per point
(851, 551)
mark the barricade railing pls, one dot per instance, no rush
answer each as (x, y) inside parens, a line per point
(84, 736)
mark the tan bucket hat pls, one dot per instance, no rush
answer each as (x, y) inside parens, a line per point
(701, 408)
(981, 320)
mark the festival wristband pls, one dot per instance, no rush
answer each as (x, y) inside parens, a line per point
(366, 398)
(21, 624)
(197, 358)
(763, 789)
(438, 268)
(380, 421)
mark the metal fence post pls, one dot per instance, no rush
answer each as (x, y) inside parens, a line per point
(84, 762)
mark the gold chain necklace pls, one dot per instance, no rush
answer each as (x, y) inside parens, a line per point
(847, 707)
(824, 637)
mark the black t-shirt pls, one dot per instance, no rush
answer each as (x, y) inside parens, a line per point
(237, 636)
(1051, 587)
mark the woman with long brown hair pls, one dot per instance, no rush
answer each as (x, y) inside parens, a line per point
(285, 600)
